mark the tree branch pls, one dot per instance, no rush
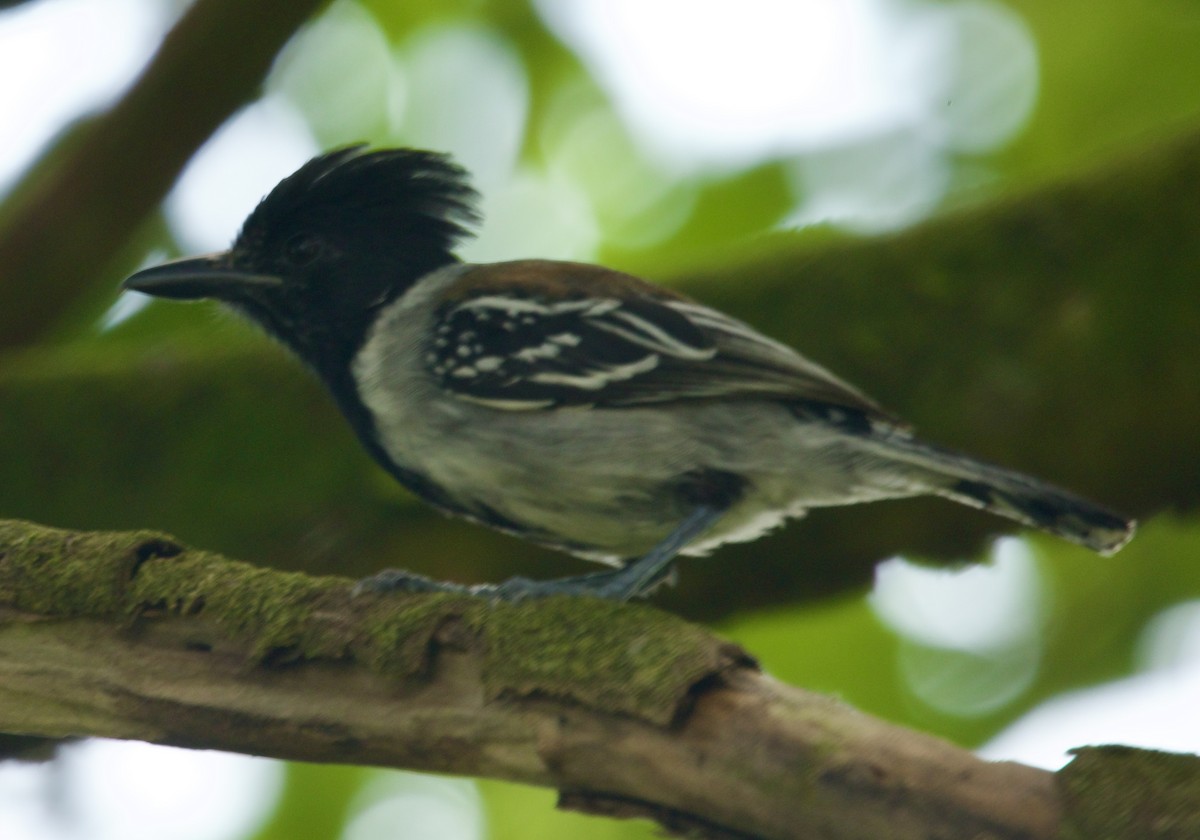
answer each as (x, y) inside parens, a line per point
(72, 216)
(626, 710)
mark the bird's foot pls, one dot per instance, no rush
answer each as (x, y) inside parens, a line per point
(637, 579)
(402, 580)
(615, 585)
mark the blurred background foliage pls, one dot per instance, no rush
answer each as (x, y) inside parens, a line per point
(984, 213)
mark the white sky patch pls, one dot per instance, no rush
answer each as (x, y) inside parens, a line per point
(635, 203)
(970, 640)
(1154, 710)
(416, 806)
(251, 153)
(882, 183)
(871, 99)
(61, 58)
(339, 70)
(129, 304)
(726, 83)
(986, 77)
(129, 790)
(565, 228)
(467, 95)
(978, 608)
(125, 307)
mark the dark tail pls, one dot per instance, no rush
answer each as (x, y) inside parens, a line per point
(1013, 495)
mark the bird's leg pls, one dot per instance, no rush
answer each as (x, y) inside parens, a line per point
(641, 576)
(638, 577)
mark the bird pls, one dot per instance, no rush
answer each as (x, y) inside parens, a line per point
(573, 405)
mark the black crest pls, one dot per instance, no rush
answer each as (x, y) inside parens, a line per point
(420, 197)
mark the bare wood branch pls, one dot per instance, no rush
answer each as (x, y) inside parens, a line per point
(626, 710)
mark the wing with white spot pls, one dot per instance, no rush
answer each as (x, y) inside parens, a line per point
(524, 353)
(528, 351)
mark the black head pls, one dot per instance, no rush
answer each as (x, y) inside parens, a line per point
(345, 234)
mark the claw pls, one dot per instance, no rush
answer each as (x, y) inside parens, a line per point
(400, 580)
(636, 580)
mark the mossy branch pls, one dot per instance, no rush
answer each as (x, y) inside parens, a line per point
(626, 710)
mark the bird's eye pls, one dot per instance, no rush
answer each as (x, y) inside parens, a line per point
(302, 249)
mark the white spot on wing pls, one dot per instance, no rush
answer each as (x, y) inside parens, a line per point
(512, 306)
(519, 306)
(546, 350)
(602, 307)
(596, 379)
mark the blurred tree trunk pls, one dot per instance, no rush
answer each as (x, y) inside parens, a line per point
(76, 212)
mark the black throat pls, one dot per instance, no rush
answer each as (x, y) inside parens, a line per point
(348, 234)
